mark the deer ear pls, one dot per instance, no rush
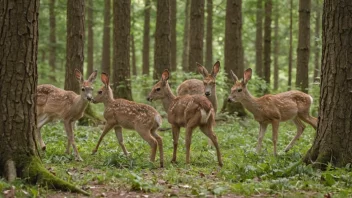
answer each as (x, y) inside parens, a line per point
(216, 69)
(105, 79)
(247, 75)
(202, 70)
(233, 76)
(165, 75)
(93, 76)
(78, 75)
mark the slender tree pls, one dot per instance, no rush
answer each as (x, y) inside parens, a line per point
(52, 38)
(74, 43)
(332, 143)
(133, 53)
(185, 52)
(196, 33)
(105, 61)
(122, 25)
(317, 39)
(146, 37)
(90, 43)
(162, 58)
(209, 37)
(173, 21)
(290, 52)
(276, 48)
(267, 40)
(259, 40)
(303, 45)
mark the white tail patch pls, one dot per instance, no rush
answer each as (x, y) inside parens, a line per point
(204, 117)
(311, 99)
(158, 120)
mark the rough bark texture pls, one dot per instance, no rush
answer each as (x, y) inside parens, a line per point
(259, 40)
(209, 37)
(196, 33)
(18, 80)
(333, 139)
(74, 43)
(303, 45)
(267, 40)
(185, 52)
(173, 11)
(276, 49)
(146, 37)
(90, 43)
(52, 38)
(106, 60)
(133, 53)
(162, 56)
(234, 58)
(290, 53)
(122, 25)
(316, 76)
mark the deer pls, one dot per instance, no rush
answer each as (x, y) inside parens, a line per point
(272, 109)
(189, 111)
(57, 104)
(121, 113)
(206, 87)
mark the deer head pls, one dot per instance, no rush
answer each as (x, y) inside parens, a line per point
(239, 89)
(209, 79)
(104, 92)
(86, 85)
(159, 89)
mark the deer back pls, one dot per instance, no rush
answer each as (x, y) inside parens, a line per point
(191, 87)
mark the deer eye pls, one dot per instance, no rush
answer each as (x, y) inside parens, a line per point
(157, 89)
(100, 92)
(83, 89)
(239, 90)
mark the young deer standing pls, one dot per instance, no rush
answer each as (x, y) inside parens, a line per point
(206, 87)
(121, 113)
(54, 103)
(189, 111)
(273, 109)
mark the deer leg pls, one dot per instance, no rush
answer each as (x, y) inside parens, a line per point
(208, 131)
(107, 128)
(71, 141)
(262, 130)
(146, 135)
(189, 131)
(300, 128)
(160, 145)
(118, 132)
(275, 125)
(175, 137)
(310, 120)
(42, 120)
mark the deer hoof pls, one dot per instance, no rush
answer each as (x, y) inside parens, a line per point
(79, 159)
(94, 151)
(43, 148)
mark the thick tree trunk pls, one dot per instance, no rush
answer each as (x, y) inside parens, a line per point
(173, 21)
(209, 37)
(106, 60)
(196, 33)
(316, 76)
(276, 48)
(290, 53)
(74, 43)
(303, 45)
(52, 38)
(332, 143)
(259, 40)
(122, 25)
(133, 53)
(146, 37)
(162, 56)
(267, 40)
(234, 58)
(90, 43)
(18, 79)
(185, 52)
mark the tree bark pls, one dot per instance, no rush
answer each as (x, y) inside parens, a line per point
(173, 21)
(90, 43)
(185, 52)
(209, 37)
(162, 56)
(196, 33)
(133, 53)
(52, 38)
(267, 40)
(303, 45)
(317, 39)
(259, 40)
(106, 59)
(146, 37)
(276, 48)
(122, 25)
(18, 79)
(74, 43)
(332, 143)
(290, 53)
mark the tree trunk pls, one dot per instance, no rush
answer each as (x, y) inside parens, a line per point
(90, 43)
(276, 48)
(185, 52)
(162, 39)
(122, 25)
(332, 143)
(209, 38)
(18, 79)
(259, 40)
(106, 60)
(74, 43)
(173, 21)
(146, 37)
(52, 38)
(290, 53)
(133, 53)
(317, 39)
(196, 33)
(267, 40)
(303, 45)
(234, 58)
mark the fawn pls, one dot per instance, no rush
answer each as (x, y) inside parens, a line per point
(121, 113)
(273, 109)
(189, 111)
(54, 103)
